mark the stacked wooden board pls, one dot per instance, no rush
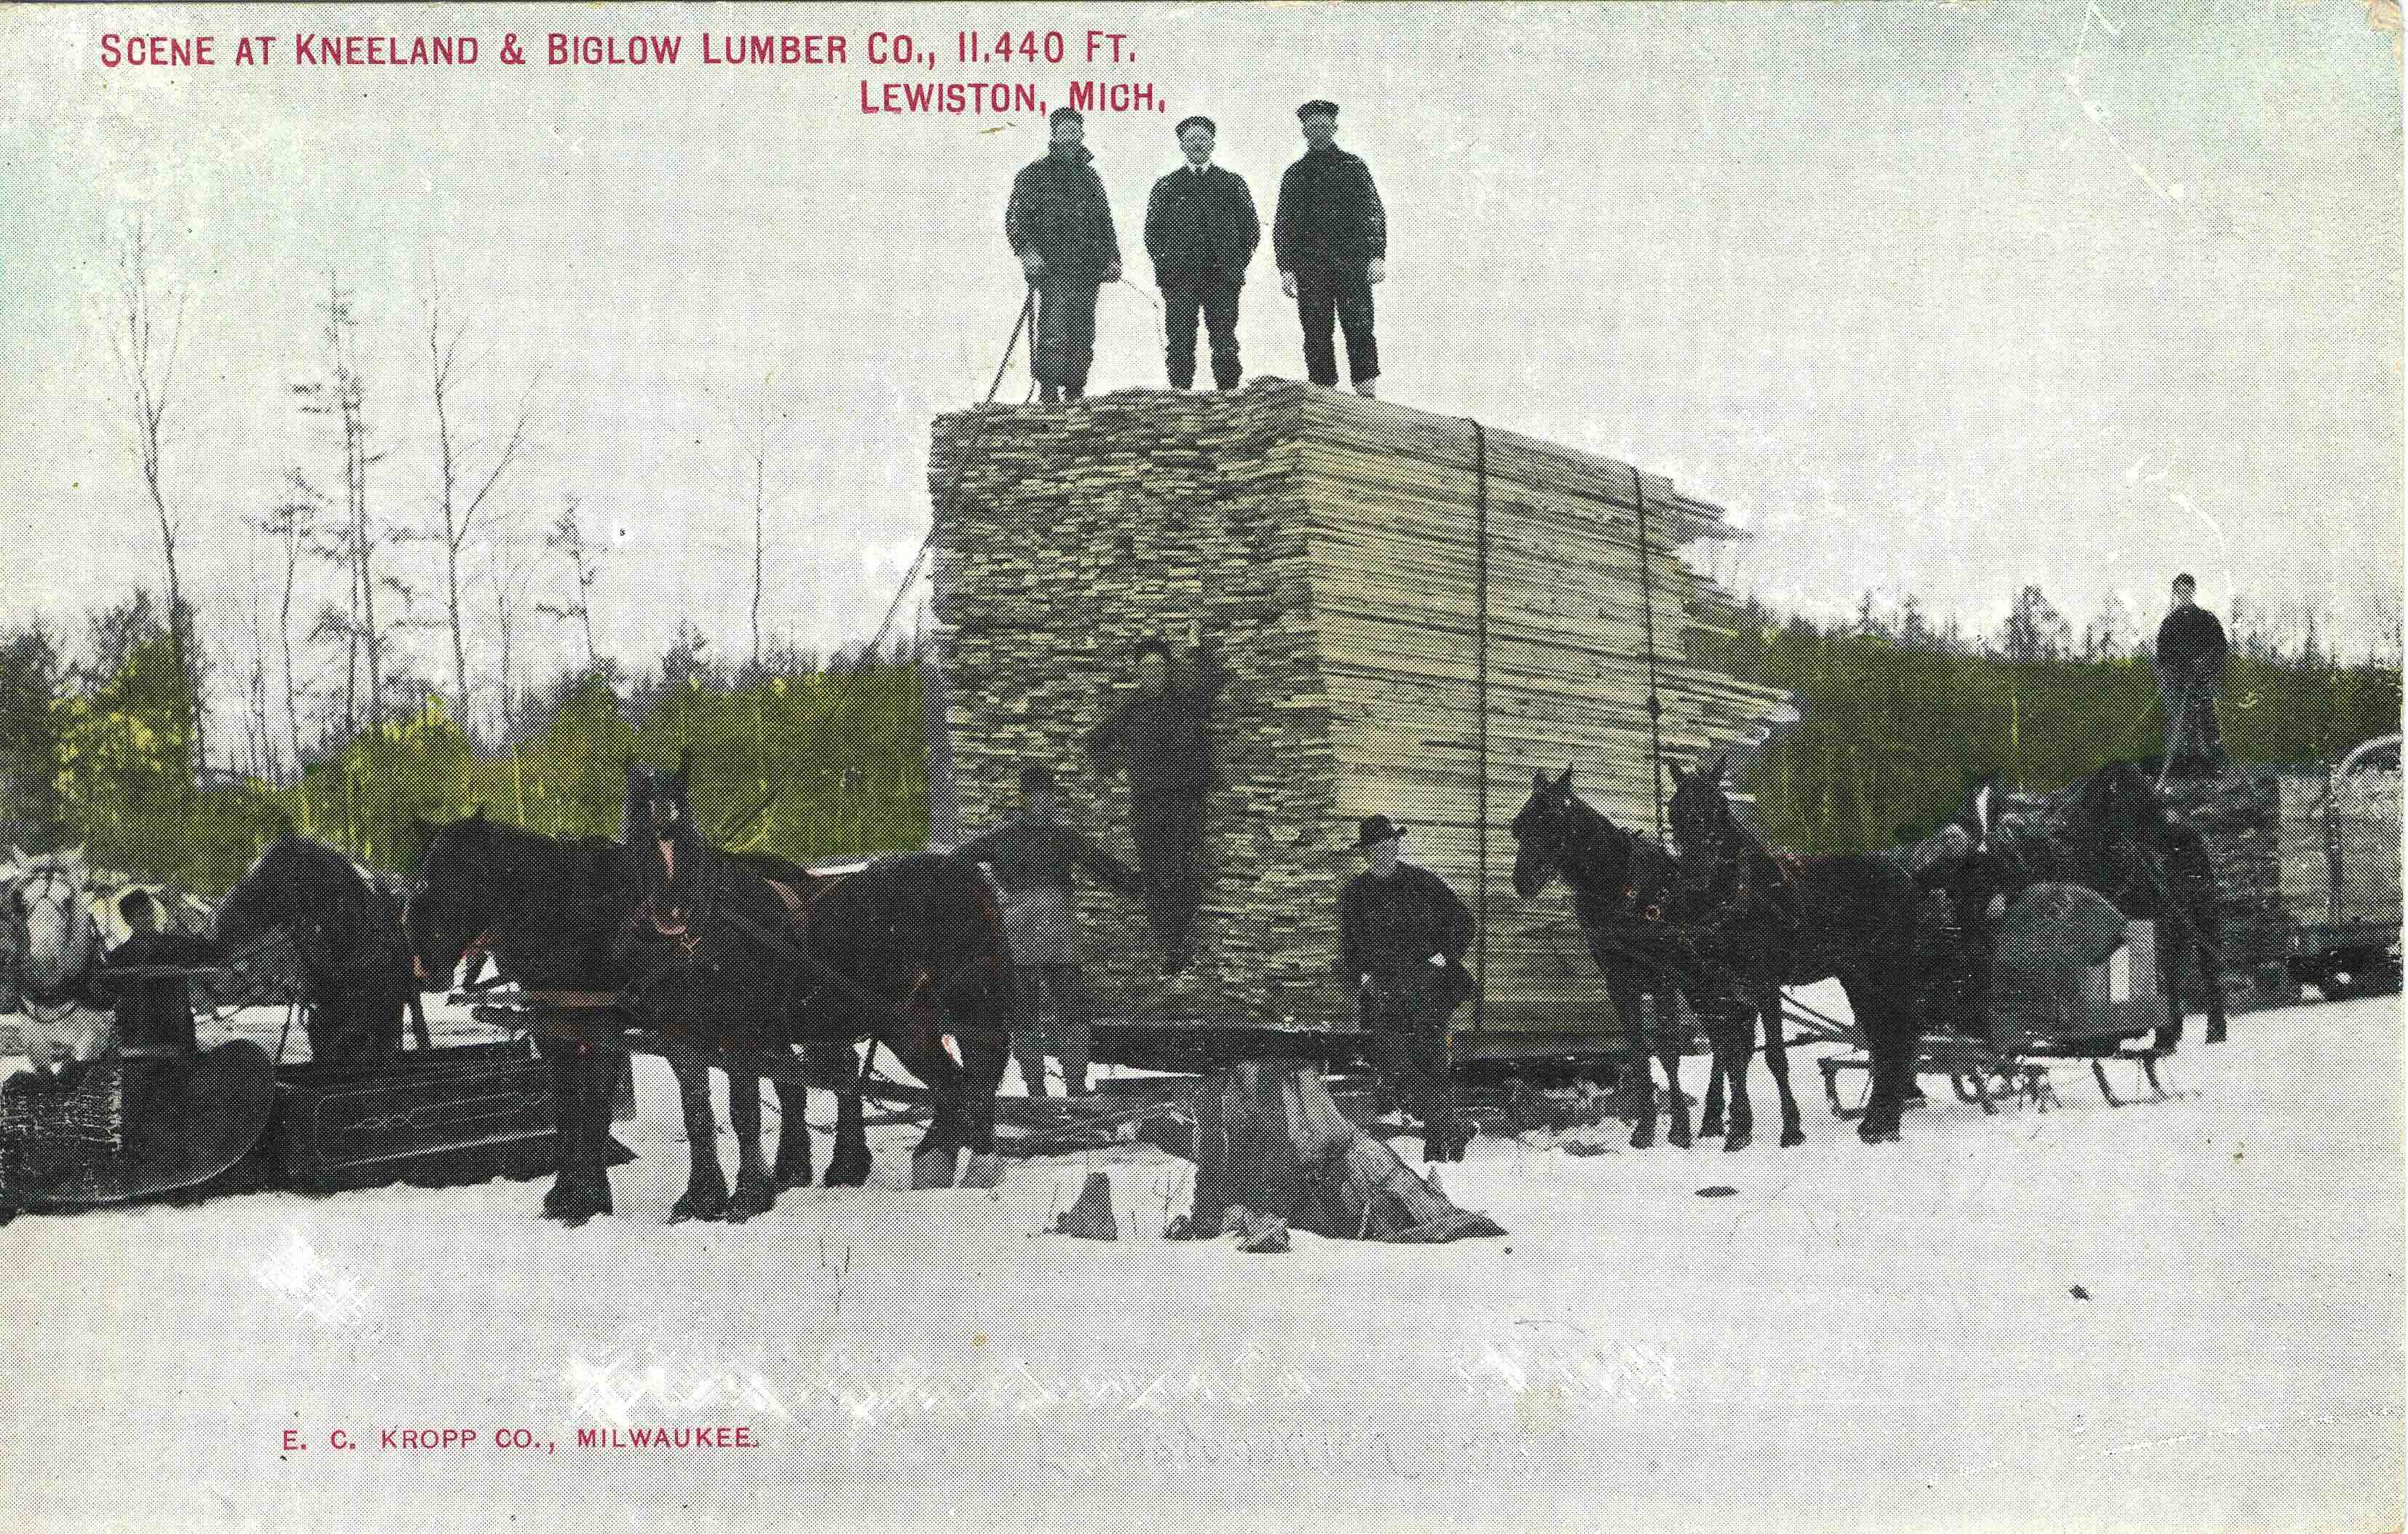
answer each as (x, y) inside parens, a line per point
(1327, 552)
(2305, 860)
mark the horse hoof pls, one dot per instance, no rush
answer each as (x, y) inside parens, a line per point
(1792, 1139)
(1872, 1136)
(2215, 1033)
(1680, 1139)
(846, 1172)
(1738, 1140)
(791, 1179)
(932, 1169)
(692, 1206)
(757, 1199)
(1643, 1137)
(986, 1170)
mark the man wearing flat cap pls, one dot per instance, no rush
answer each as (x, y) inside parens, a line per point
(1330, 238)
(1401, 936)
(1202, 230)
(1037, 859)
(1060, 227)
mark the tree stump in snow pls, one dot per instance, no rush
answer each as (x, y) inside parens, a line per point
(1269, 1138)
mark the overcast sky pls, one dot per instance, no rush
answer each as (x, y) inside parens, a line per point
(1934, 298)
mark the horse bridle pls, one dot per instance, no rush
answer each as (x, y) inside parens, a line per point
(85, 933)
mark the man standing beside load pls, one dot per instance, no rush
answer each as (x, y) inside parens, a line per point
(1330, 238)
(1201, 229)
(2190, 672)
(1037, 858)
(1401, 936)
(1060, 227)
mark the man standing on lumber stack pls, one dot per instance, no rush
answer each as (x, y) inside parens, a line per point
(1401, 936)
(2190, 672)
(1159, 739)
(1330, 239)
(1060, 227)
(1036, 859)
(1202, 230)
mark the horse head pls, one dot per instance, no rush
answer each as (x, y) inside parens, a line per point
(311, 893)
(49, 918)
(1703, 828)
(450, 905)
(1541, 829)
(659, 831)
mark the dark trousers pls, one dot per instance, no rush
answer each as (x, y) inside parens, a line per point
(1065, 347)
(1407, 1020)
(1217, 298)
(1070, 1035)
(2194, 743)
(1168, 830)
(1344, 297)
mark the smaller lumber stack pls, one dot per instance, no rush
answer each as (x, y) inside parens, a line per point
(2305, 860)
(2236, 815)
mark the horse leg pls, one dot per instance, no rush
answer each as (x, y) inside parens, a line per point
(2170, 980)
(755, 1194)
(1710, 1126)
(1890, 1037)
(922, 1054)
(793, 1167)
(1734, 1046)
(582, 1187)
(1668, 1053)
(2211, 971)
(1776, 1060)
(1637, 1076)
(983, 1056)
(705, 1188)
(848, 1163)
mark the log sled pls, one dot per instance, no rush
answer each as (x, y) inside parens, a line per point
(229, 1118)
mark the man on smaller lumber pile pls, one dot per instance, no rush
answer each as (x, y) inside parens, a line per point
(1402, 936)
(1159, 738)
(1060, 227)
(1036, 859)
(1330, 239)
(1201, 229)
(2190, 672)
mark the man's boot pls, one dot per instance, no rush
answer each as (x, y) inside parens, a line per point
(1368, 389)
(1048, 393)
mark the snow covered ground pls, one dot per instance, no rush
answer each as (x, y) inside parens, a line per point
(1856, 1338)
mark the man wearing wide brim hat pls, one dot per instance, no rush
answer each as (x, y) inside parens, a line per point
(1401, 936)
(1330, 239)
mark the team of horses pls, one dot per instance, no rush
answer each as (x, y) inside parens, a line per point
(735, 958)
(1724, 921)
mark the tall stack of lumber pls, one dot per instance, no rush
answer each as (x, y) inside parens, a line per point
(2238, 816)
(1326, 550)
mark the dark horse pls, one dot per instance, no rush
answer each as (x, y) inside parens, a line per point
(547, 911)
(2111, 833)
(765, 956)
(1773, 919)
(1625, 887)
(351, 955)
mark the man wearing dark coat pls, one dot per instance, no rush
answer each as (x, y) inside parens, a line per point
(1401, 936)
(1060, 227)
(154, 1016)
(1159, 739)
(1330, 239)
(2190, 672)
(1037, 858)
(1202, 230)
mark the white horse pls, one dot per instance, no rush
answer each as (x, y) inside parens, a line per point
(53, 945)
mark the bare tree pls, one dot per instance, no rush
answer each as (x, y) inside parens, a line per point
(506, 576)
(292, 526)
(769, 416)
(567, 537)
(341, 395)
(458, 517)
(145, 346)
